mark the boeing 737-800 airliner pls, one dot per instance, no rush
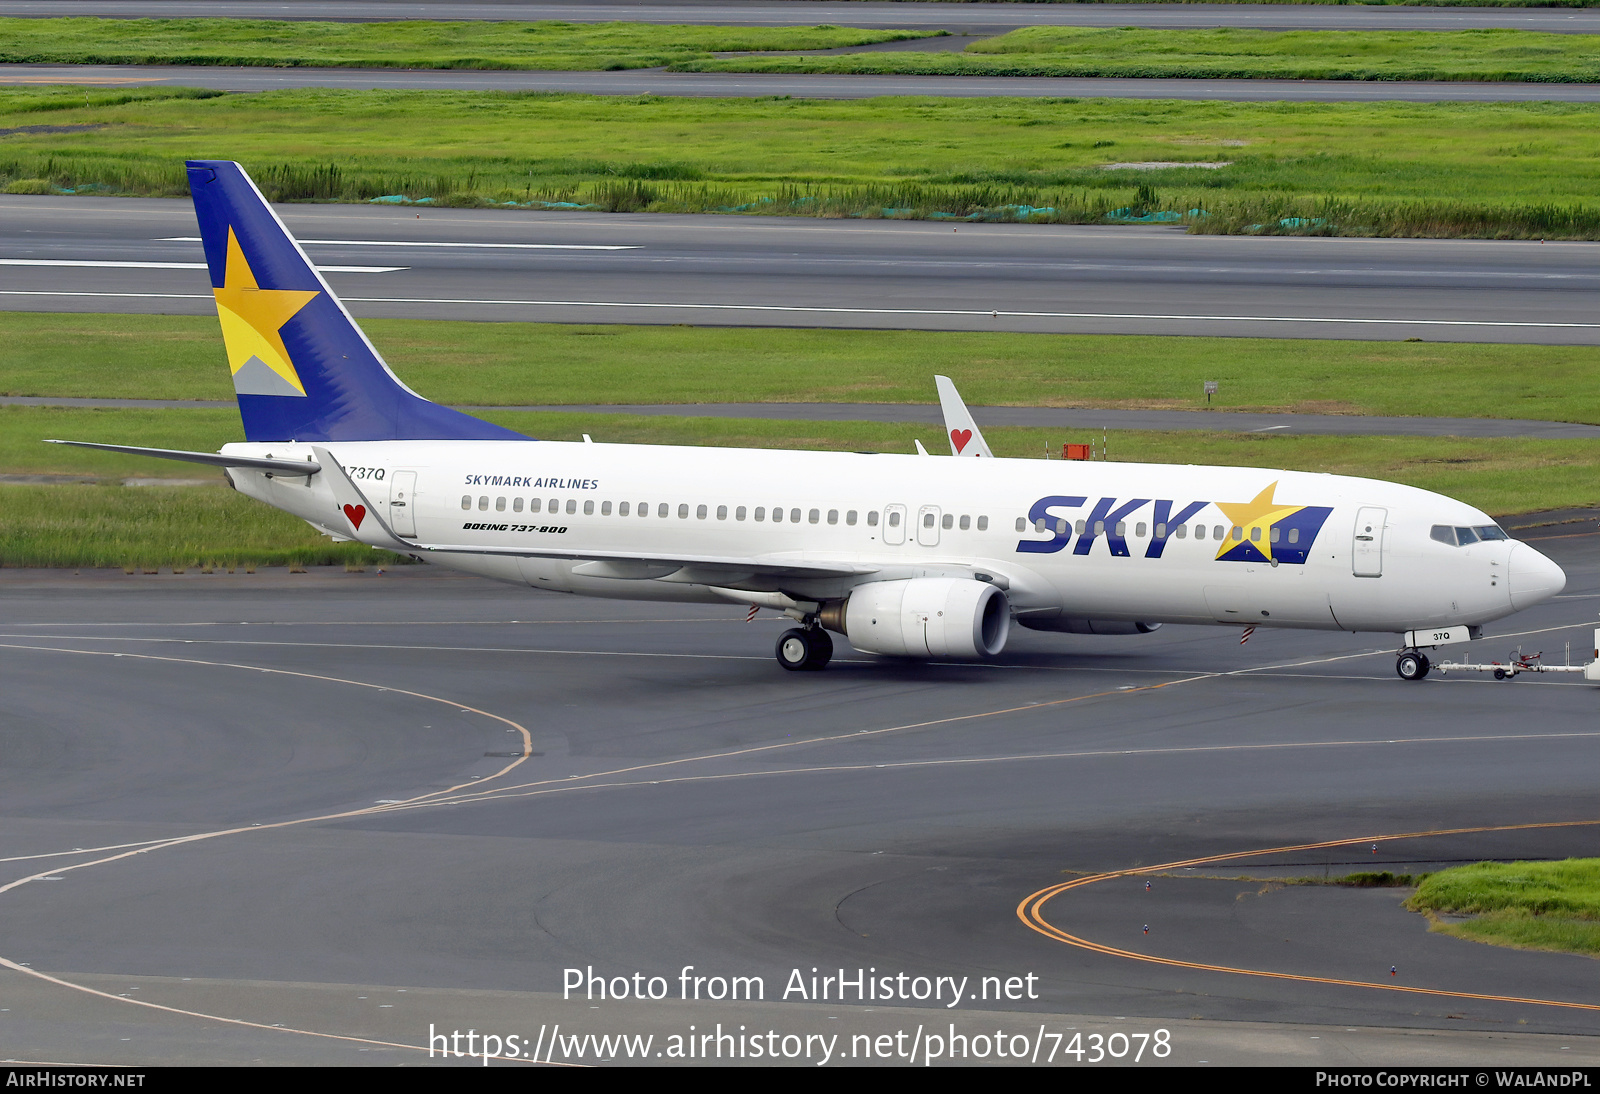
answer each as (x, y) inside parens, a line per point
(905, 555)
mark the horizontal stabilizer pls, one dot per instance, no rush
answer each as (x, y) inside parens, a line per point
(215, 459)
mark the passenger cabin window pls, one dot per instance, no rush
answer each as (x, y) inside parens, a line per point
(483, 502)
(833, 516)
(983, 524)
(872, 519)
(948, 522)
(588, 508)
(1022, 525)
(605, 509)
(466, 502)
(555, 505)
(850, 518)
(722, 512)
(1219, 532)
(814, 516)
(663, 509)
(966, 522)
(777, 515)
(794, 516)
(572, 506)
(516, 505)
(761, 512)
(1138, 529)
(1183, 531)
(739, 513)
(700, 512)
(499, 505)
(894, 520)
(622, 508)
(683, 511)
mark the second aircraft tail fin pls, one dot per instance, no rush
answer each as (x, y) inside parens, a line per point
(965, 439)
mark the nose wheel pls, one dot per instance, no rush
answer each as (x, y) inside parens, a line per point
(804, 650)
(1412, 665)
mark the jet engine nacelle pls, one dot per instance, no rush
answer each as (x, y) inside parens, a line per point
(924, 617)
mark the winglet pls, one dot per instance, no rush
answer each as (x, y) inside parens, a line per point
(965, 439)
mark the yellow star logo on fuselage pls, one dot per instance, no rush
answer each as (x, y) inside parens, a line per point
(252, 317)
(1259, 513)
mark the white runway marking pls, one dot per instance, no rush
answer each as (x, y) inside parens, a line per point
(417, 243)
(795, 309)
(94, 264)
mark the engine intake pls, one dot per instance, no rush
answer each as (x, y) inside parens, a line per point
(924, 617)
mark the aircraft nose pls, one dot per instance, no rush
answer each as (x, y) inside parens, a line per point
(1534, 578)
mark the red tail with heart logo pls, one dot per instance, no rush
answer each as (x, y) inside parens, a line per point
(356, 514)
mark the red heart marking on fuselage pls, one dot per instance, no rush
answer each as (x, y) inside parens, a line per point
(356, 514)
(960, 437)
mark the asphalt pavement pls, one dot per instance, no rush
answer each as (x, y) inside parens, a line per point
(412, 802)
(137, 255)
(734, 85)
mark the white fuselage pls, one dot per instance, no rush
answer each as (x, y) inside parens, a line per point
(893, 517)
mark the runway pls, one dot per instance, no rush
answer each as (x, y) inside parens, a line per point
(582, 267)
(969, 18)
(733, 85)
(513, 784)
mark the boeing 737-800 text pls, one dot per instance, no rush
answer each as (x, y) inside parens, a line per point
(905, 555)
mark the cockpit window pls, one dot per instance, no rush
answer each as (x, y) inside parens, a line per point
(1461, 537)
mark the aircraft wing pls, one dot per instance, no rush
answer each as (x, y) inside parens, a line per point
(965, 439)
(691, 569)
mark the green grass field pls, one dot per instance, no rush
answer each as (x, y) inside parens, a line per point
(1474, 169)
(480, 45)
(1528, 905)
(1030, 51)
(1223, 53)
(517, 364)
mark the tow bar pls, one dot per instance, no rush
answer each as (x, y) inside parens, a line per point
(1519, 663)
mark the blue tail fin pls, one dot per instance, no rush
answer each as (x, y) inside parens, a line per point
(302, 369)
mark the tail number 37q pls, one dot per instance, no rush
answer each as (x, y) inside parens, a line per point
(366, 473)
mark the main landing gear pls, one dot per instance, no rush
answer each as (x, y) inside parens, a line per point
(1412, 665)
(804, 650)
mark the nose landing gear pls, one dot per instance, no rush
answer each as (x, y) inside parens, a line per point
(1412, 665)
(804, 650)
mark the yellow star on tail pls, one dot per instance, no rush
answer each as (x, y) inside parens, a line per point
(252, 317)
(1262, 512)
